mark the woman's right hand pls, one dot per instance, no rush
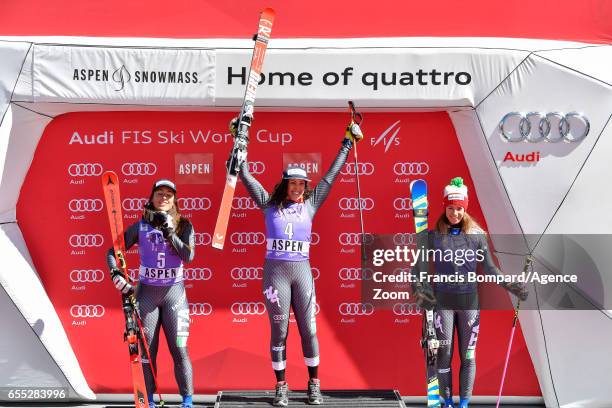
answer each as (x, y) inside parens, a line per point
(120, 282)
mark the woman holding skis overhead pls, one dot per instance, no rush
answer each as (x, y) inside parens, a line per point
(165, 241)
(287, 280)
(457, 303)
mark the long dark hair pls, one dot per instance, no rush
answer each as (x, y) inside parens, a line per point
(279, 195)
(175, 213)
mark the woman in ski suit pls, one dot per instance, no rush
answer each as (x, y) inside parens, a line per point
(165, 241)
(457, 303)
(287, 280)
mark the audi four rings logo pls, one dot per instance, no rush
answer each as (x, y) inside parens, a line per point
(314, 238)
(85, 205)
(87, 311)
(202, 238)
(365, 169)
(139, 169)
(316, 273)
(248, 308)
(247, 273)
(411, 169)
(352, 204)
(200, 309)
(402, 204)
(243, 203)
(248, 238)
(86, 275)
(405, 238)
(194, 203)
(356, 309)
(197, 274)
(352, 274)
(86, 240)
(133, 204)
(407, 309)
(553, 127)
(85, 169)
(257, 167)
(354, 238)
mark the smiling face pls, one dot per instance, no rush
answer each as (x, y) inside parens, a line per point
(454, 213)
(295, 190)
(163, 199)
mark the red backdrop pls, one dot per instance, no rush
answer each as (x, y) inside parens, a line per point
(64, 223)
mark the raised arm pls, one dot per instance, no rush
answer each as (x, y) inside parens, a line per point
(255, 189)
(322, 189)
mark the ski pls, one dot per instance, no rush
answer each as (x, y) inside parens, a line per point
(110, 185)
(241, 140)
(429, 342)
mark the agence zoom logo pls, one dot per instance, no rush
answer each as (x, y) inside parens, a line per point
(139, 169)
(86, 275)
(85, 205)
(86, 240)
(77, 311)
(248, 308)
(535, 127)
(365, 169)
(353, 204)
(356, 309)
(247, 273)
(85, 170)
(200, 309)
(247, 238)
(411, 169)
(354, 238)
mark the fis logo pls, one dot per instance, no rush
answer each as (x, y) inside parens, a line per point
(389, 137)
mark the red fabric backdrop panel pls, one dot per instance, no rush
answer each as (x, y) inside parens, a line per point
(62, 215)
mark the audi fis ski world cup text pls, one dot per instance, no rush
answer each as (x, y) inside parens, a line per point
(173, 136)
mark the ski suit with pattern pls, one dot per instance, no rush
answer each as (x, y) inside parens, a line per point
(161, 296)
(287, 279)
(458, 306)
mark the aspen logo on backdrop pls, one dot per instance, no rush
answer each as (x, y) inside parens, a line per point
(193, 168)
(122, 76)
(310, 162)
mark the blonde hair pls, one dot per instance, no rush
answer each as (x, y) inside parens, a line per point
(468, 224)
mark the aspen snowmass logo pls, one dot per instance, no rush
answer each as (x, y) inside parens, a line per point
(122, 76)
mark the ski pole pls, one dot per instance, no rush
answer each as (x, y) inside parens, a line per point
(357, 118)
(528, 262)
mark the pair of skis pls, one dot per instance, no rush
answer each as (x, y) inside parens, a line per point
(241, 139)
(429, 342)
(134, 334)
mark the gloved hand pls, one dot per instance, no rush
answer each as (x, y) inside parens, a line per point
(424, 296)
(120, 282)
(353, 132)
(518, 289)
(167, 227)
(233, 126)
